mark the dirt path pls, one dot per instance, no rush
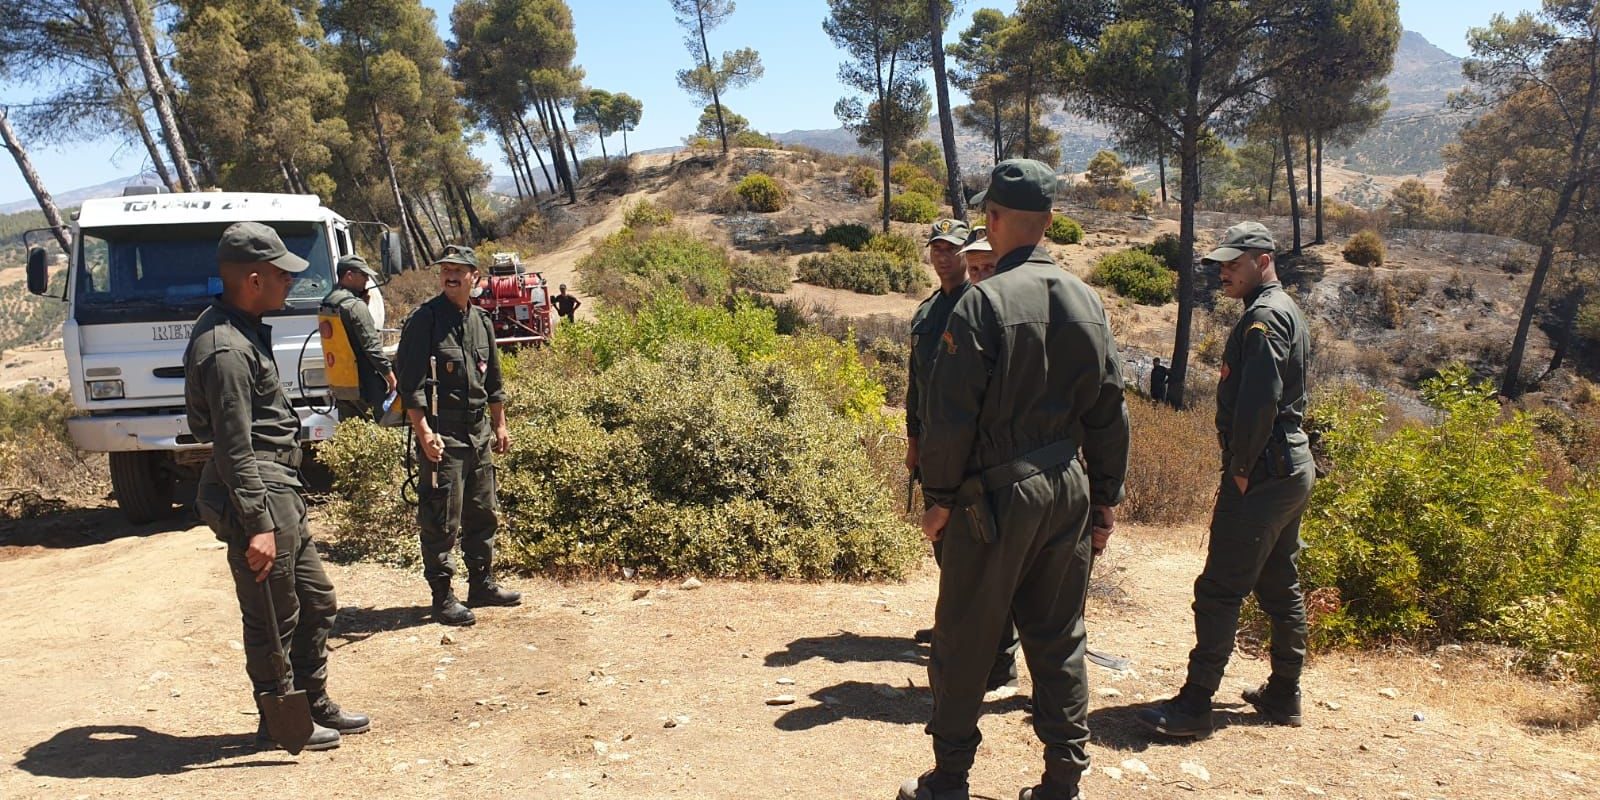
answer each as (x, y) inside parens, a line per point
(125, 680)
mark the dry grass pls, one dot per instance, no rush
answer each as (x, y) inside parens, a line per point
(1173, 470)
(404, 292)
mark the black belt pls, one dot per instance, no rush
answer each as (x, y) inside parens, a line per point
(1019, 469)
(460, 415)
(289, 457)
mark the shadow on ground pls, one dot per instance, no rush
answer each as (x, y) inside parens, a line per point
(134, 751)
(878, 702)
(845, 647)
(356, 623)
(1117, 727)
(55, 525)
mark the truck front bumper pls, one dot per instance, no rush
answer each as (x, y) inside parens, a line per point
(119, 433)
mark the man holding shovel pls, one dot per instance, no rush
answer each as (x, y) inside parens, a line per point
(249, 493)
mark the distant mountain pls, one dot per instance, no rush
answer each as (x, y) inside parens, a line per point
(1423, 75)
(75, 197)
(1419, 124)
(828, 140)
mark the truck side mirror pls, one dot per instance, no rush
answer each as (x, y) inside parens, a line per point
(38, 275)
(389, 252)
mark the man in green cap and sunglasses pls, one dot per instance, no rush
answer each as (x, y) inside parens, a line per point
(1266, 481)
(1026, 375)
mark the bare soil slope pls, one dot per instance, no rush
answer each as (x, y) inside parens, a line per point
(125, 680)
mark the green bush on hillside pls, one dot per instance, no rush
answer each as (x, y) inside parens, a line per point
(867, 272)
(1165, 247)
(898, 245)
(762, 193)
(1136, 275)
(630, 266)
(848, 235)
(673, 443)
(865, 181)
(1064, 230)
(1448, 531)
(1364, 249)
(913, 207)
(760, 273)
(646, 214)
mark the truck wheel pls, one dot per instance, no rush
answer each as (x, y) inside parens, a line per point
(142, 485)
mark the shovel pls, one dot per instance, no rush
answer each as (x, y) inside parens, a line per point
(286, 712)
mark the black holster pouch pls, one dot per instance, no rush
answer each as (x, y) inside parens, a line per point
(972, 496)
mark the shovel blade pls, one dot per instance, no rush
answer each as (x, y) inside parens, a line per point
(288, 718)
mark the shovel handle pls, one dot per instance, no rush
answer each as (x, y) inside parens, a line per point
(284, 683)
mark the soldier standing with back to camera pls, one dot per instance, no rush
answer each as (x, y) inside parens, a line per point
(451, 341)
(1027, 373)
(1266, 482)
(249, 487)
(927, 324)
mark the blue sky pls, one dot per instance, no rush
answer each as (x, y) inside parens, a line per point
(634, 46)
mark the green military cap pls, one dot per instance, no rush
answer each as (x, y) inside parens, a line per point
(458, 254)
(953, 231)
(354, 262)
(977, 240)
(1239, 238)
(255, 243)
(1022, 184)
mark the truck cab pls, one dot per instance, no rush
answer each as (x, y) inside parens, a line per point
(141, 270)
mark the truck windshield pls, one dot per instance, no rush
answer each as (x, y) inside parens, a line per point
(135, 272)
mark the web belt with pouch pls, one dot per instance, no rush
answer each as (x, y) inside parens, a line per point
(972, 496)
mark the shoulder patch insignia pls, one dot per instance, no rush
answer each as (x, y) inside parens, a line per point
(1259, 326)
(949, 343)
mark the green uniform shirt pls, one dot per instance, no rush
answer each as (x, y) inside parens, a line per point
(468, 366)
(236, 403)
(927, 325)
(1263, 386)
(371, 364)
(1026, 360)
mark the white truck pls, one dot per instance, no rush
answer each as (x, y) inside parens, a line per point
(142, 268)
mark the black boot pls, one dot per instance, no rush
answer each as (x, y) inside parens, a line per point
(935, 784)
(1278, 701)
(1049, 790)
(328, 714)
(322, 738)
(447, 610)
(483, 591)
(1188, 715)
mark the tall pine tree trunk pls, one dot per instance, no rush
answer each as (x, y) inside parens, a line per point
(572, 147)
(47, 204)
(1161, 168)
(711, 75)
(1319, 239)
(474, 224)
(1294, 195)
(549, 183)
(158, 96)
(1188, 197)
(947, 124)
(512, 160)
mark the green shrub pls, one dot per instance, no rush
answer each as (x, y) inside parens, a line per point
(925, 186)
(1364, 249)
(1165, 247)
(865, 181)
(899, 245)
(913, 207)
(867, 272)
(646, 214)
(746, 330)
(37, 457)
(371, 507)
(749, 138)
(761, 273)
(631, 265)
(1136, 275)
(1448, 531)
(762, 193)
(1064, 230)
(902, 173)
(848, 235)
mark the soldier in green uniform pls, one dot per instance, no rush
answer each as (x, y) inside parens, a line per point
(1026, 374)
(1266, 481)
(249, 487)
(456, 487)
(349, 300)
(927, 325)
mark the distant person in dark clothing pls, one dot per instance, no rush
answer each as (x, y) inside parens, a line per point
(566, 305)
(1158, 382)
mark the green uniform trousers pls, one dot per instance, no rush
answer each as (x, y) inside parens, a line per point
(462, 507)
(301, 592)
(1038, 571)
(1004, 670)
(1255, 547)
